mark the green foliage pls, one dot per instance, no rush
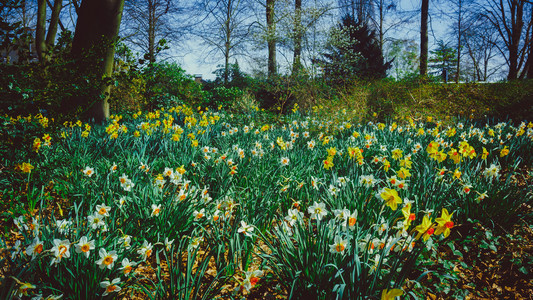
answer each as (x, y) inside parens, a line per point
(405, 54)
(168, 85)
(444, 61)
(353, 52)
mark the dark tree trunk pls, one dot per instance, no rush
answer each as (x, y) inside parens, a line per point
(424, 39)
(93, 49)
(297, 59)
(52, 29)
(44, 45)
(517, 23)
(40, 30)
(460, 34)
(530, 54)
(227, 44)
(151, 31)
(271, 37)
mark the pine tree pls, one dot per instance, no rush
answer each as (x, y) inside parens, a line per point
(444, 61)
(353, 52)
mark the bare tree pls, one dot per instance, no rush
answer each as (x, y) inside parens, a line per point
(513, 28)
(480, 45)
(361, 10)
(148, 24)
(225, 29)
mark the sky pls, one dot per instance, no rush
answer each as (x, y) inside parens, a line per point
(191, 56)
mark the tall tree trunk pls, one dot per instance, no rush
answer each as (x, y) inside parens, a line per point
(40, 30)
(381, 26)
(151, 31)
(271, 37)
(44, 45)
(517, 23)
(227, 44)
(459, 39)
(93, 48)
(530, 55)
(297, 59)
(424, 39)
(52, 29)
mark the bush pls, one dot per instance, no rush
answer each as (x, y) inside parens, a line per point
(167, 84)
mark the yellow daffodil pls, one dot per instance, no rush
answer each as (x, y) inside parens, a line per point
(425, 229)
(391, 198)
(504, 151)
(444, 223)
(391, 294)
(403, 173)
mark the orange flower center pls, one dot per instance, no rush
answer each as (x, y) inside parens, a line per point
(351, 221)
(449, 224)
(102, 211)
(254, 280)
(156, 211)
(127, 270)
(111, 288)
(148, 253)
(412, 217)
(108, 260)
(85, 248)
(62, 250)
(339, 247)
(38, 249)
(430, 231)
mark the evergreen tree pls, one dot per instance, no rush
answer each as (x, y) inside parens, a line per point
(353, 52)
(444, 61)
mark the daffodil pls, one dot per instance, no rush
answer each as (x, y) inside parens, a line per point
(107, 259)
(88, 171)
(425, 230)
(84, 246)
(391, 198)
(245, 229)
(444, 223)
(103, 210)
(60, 250)
(318, 211)
(146, 250)
(403, 173)
(127, 266)
(339, 245)
(110, 287)
(391, 294)
(35, 248)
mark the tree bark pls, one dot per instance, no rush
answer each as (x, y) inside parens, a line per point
(151, 31)
(40, 30)
(424, 39)
(227, 44)
(271, 37)
(297, 63)
(52, 28)
(44, 45)
(530, 55)
(459, 39)
(93, 48)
